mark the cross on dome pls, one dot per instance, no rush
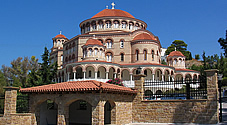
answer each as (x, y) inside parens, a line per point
(113, 5)
(60, 31)
(106, 7)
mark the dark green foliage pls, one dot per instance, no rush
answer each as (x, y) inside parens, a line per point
(163, 62)
(223, 44)
(2, 83)
(47, 70)
(197, 57)
(224, 81)
(180, 46)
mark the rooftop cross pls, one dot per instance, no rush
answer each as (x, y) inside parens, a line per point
(106, 7)
(60, 31)
(113, 5)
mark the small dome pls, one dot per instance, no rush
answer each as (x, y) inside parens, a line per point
(144, 36)
(60, 36)
(112, 13)
(175, 53)
(93, 42)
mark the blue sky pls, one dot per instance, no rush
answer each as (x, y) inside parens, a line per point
(27, 26)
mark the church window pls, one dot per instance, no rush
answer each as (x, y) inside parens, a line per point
(100, 26)
(137, 55)
(116, 24)
(122, 44)
(122, 57)
(130, 26)
(145, 54)
(108, 24)
(123, 25)
(152, 54)
(96, 50)
(89, 73)
(90, 52)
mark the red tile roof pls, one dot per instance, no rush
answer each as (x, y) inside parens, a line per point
(175, 53)
(186, 70)
(78, 86)
(144, 36)
(93, 42)
(60, 36)
(112, 13)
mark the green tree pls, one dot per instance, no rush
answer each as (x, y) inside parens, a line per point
(223, 44)
(197, 57)
(181, 46)
(3, 83)
(47, 70)
(34, 78)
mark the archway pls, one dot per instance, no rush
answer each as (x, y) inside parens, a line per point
(80, 113)
(48, 113)
(148, 74)
(158, 75)
(90, 72)
(111, 73)
(109, 113)
(79, 73)
(125, 75)
(178, 77)
(101, 72)
(188, 77)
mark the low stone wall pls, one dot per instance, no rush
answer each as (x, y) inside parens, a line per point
(182, 111)
(17, 119)
(177, 111)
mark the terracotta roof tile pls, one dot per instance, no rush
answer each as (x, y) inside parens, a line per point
(112, 13)
(186, 70)
(93, 42)
(175, 53)
(60, 36)
(78, 86)
(144, 36)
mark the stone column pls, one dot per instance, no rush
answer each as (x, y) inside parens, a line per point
(131, 75)
(95, 75)
(10, 100)
(107, 75)
(153, 75)
(115, 75)
(74, 76)
(212, 94)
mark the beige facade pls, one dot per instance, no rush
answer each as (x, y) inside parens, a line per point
(125, 46)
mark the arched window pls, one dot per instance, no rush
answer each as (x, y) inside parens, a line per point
(109, 57)
(116, 24)
(123, 25)
(130, 26)
(137, 55)
(100, 24)
(89, 73)
(145, 72)
(122, 44)
(152, 55)
(145, 54)
(94, 25)
(98, 74)
(96, 50)
(122, 57)
(108, 24)
(109, 43)
(90, 52)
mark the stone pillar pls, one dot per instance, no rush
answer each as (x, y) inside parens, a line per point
(61, 115)
(153, 75)
(115, 75)
(84, 75)
(131, 75)
(107, 75)
(139, 81)
(98, 113)
(96, 75)
(10, 100)
(213, 94)
(74, 76)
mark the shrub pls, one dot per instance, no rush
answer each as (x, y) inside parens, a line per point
(116, 81)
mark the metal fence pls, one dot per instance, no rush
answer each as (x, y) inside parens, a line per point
(22, 103)
(2, 100)
(175, 90)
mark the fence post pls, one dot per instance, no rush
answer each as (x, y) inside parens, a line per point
(212, 90)
(139, 82)
(10, 100)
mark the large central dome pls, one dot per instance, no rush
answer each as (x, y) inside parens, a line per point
(112, 13)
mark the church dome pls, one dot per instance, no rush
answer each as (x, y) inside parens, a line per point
(175, 53)
(60, 36)
(93, 42)
(144, 36)
(113, 13)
